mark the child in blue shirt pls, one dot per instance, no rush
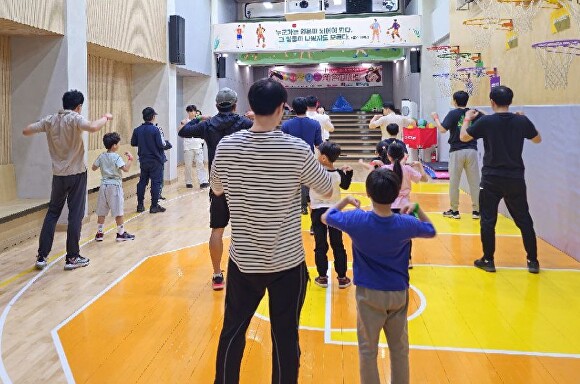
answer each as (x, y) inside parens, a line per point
(380, 243)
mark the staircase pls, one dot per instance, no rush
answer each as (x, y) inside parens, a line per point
(352, 133)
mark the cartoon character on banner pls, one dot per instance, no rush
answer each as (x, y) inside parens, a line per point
(260, 34)
(395, 30)
(373, 75)
(376, 28)
(240, 36)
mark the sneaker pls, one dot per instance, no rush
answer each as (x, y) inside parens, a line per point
(162, 198)
(410, 264)
(188, 185)
(217, 282)
(452, 214)
(485, 264)
(305, 211)
(100, 236)
(321, 281)
(125, 236)
(156, 209)
(41, 262)
(204, 185)
(475, 215)
(312, 230)
(75, 262)
(344, 282)
(533, 266)
(140, 208)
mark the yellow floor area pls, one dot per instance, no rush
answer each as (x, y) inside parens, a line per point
(161, 322)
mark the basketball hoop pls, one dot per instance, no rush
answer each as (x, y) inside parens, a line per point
(437, 50)
(522, 12)
(482, 28)
(463, 79)
(556, 57)
(573, 7)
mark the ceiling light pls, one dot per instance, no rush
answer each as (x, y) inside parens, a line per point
(323, 64)
(337, 2)
(225, 55)
(268, 5)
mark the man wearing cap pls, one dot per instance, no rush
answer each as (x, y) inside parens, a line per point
(389, 117)
(212, 130)
(150, 146)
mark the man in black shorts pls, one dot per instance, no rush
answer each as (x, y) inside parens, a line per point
(212, 130)
(502, 175)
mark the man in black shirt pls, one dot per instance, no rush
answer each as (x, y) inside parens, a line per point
(462, 156)
(503, 135)
(212, 130)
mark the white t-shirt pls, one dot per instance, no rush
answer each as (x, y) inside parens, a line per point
(324, 121)
(192, 143)
(318, 201)
(391, 118)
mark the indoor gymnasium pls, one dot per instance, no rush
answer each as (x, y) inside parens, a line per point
(176, 177)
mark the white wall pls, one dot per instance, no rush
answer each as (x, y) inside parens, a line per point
(198, 49)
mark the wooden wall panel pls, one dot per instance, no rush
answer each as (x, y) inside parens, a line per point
(138, 27)
(519, 67)
(5, 91)
(43, 14)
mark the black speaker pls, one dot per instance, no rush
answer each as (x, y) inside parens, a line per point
(176, 40)
(221, 67)
(359, 6)
(415, 61)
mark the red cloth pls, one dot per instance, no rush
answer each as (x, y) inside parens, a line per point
(420, 137)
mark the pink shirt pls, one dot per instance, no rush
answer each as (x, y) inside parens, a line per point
(409, 174)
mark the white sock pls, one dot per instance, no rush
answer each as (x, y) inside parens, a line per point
(121, 229)
(100, 228)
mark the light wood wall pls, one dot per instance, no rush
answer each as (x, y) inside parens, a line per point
(43, 14)
(519, 67)
(138, 27)
(110, 84)
(5, 91)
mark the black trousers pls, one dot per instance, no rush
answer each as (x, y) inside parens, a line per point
(321, 245)
(513, 191)
(304, 196)
(150, 170)
(73, 190)
(244, 292)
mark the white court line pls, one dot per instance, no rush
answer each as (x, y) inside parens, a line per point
(3, 373)
(472, 267)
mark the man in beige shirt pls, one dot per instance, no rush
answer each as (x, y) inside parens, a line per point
(389, 117)
(64, 133)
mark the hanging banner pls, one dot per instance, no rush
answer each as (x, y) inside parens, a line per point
(327, 77)
(304, 35)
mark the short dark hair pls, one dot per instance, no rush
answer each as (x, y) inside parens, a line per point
(461, 98)
(383, 186)
(265, 96)
(311, 101)
(111, 139)
(148, 114)
(501, 95)
(393, 129)
(227, 109)
(330, 150)
(72, 99)
(299, 105)
(389, 105)
(191, 108)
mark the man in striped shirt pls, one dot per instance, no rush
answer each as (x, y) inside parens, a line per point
(260, 171)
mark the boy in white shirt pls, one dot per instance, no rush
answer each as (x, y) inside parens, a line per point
(111, 191)
(341, 178)
(193, 151)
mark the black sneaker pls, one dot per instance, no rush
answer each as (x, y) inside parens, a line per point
(140, 208)
(41, 262)
(188, 185)
(75, 262)
(156, 209)
(304, 210)
(533, 266)
(125, 236)
(217, 282)
(485, 264)
(475, 215)
(452, 214)
(204, 185)
(321, 281)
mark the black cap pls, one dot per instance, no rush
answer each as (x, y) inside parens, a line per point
(148, 114)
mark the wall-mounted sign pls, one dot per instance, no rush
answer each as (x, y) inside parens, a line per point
(305, 35)
(328, 76)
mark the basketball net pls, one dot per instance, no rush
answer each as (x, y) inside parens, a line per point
(573, 7)
(556, 62)
(521, 12)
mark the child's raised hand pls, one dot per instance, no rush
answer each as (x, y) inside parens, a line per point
(435, 115)
(129, 156)
(352, 201)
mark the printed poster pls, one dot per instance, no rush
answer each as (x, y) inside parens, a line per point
(328, 76)
(305, 35)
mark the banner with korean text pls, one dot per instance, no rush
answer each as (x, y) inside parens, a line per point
(304, 35)
(328, 76)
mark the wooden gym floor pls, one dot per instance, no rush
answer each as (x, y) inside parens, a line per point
(144, 311)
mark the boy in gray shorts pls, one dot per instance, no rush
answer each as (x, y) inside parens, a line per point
(111, 190)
